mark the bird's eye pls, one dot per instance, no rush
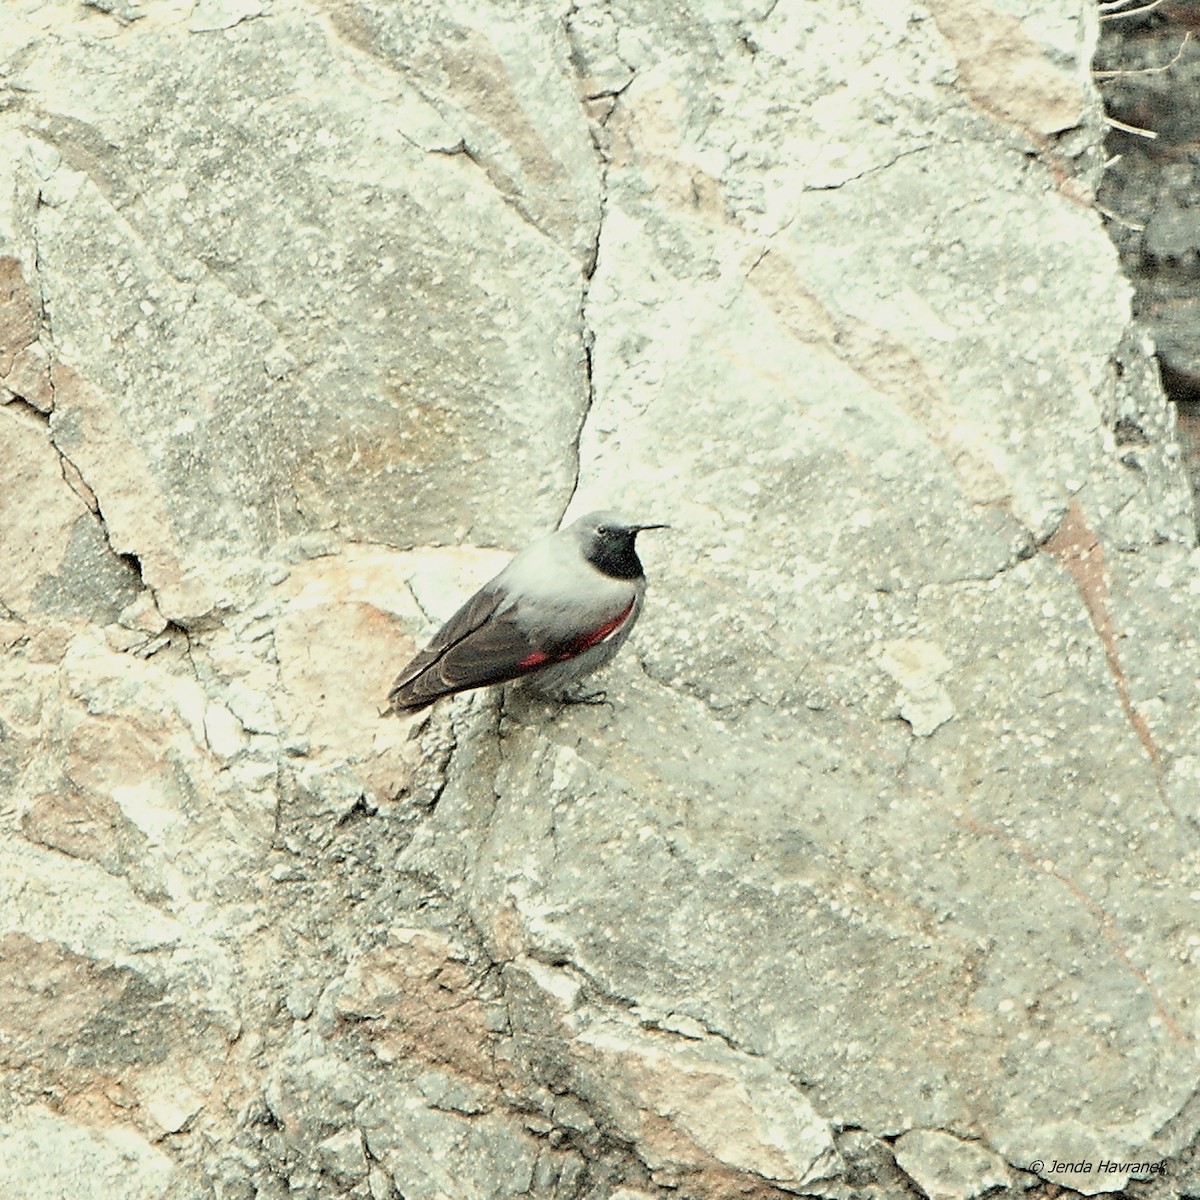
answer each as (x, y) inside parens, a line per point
(603, 530)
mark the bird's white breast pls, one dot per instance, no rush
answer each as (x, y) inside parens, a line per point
(552, 576)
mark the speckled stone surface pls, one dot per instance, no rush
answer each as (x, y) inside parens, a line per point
(881, 868)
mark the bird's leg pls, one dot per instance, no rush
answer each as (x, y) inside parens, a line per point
(578, 696)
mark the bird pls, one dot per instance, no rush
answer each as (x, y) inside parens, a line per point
(560, 610)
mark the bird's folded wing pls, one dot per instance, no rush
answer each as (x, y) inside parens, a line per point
(475, 648)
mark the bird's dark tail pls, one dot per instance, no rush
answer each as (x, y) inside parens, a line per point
(402, 703)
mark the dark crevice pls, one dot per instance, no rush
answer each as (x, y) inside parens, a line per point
(1147, 58)
(72, 476)
(359, 810)
(587, 334)
(1181, 385)
(45, 334)
(508, 194)
(589, 399)
(23, 406)
(439, 741)
(74, 479)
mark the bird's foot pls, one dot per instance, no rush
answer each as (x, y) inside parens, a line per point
(578, 696)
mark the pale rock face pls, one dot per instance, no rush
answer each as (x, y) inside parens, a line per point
(949, 1168)
(881, 868)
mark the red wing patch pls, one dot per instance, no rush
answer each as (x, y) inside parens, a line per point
(539, 658)
(481, 645)
(598, 635)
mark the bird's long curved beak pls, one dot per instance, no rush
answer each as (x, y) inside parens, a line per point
(639, 528)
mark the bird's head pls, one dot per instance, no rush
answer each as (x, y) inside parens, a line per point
(607, 541)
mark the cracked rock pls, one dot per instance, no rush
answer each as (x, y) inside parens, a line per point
(309, 315)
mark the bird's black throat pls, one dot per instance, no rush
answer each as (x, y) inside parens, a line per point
(613, 554)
